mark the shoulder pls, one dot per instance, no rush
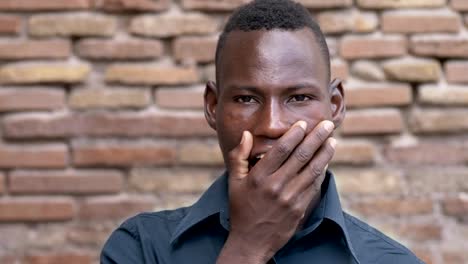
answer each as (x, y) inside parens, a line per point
(372, 246)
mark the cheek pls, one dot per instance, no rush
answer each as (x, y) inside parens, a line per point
(230, 126)
(313, 114)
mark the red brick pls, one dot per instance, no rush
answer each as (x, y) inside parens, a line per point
(434, 153)
(140, 74)
(372, 122)
(119, 49)
(455, 71)
(437, 95)
(212, 5)
(187, 98)
(200, 153)
(378, 94)
(460, 5)
(113, 207)
(65, 182)
(59, 258)
(199, 49)
(114, 98)
(455, 256)
(419, 232)
(12, 99)
(89, 235)
(52, 72)
(412, 70)
(2, 183)
(440, 179)
(36, 209)
(9, 259)
(439, 121)
(420, 22)
(382, 4)
(346, 21)
(122, 153)
(169, 25)
(132, 5)
(456, 206)
(393, 206)
(339, 69)
(35, 49)
(354, 47)
(425, 254)
(49, 5)
(368, 71)
(319, 4)
(105, 124)
(440, 46)
(10, 25)
(375, 181)
(354, 153)
(33, 156)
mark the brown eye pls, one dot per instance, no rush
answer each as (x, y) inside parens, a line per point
(300, 98)
(245, 99)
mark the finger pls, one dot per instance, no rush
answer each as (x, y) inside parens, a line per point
(310, 179)
(238, 163)
(309, 146)
(281, 150)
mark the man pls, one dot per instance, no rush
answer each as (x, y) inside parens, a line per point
(274, 110)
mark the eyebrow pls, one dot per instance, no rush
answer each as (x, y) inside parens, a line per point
(291, 88)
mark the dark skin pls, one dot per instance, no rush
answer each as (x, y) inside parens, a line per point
(274, 110)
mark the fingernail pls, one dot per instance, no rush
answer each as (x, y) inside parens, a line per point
(328, 125)
(302, 124)
(333, 143)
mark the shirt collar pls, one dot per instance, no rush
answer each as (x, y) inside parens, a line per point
(215, 201)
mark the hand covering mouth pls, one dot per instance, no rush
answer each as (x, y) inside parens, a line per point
(254, 159)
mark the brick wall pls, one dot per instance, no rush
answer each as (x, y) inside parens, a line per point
(100, 118)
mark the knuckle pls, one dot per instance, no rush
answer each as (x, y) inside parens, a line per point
(285, 201)
(316, 171)
(297, 211)
(303, 155)
(283, 149)
(274, 191)
(322, 135)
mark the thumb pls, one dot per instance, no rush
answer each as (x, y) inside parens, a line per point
(239, 156)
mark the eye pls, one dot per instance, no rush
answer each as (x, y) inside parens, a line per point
(245, 99)
(299, 98)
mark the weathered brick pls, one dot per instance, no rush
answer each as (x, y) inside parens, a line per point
(36, 209)
(347, 21)
(173, 25)
(457, 206)
(37, 98)
(139, 74)
(455, 71)
(372, 122)
(378, 94)
(320, 4)
(424, 253)
(420, 22)
(78, 24)
(437, 180)
(33, 156)
(212, 5)
(21, 73)
(187, 98)
(65, 182)
(58, 258)
(368, 71)
(199, 49)
(170, 201)
(354, 153)
(427, 153)
(119, 49)
(200, 153)
(403, 206)
(339, 69)
(109, 98)
(119, 207)
(89, 234)
(455, 256)
(451, 95)
(437, 121)
(418, 232)
(178, 180)
(2, 183)
(35, 49)
(122, 153)
(440, 46)
(356, 47)
(168, 124)
(412, 70)
(10, 25)
(133, 5)
(382, 4)
(460, 5)
(43, 5)
(352, 181)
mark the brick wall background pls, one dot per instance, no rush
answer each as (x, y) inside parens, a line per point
(101, 117)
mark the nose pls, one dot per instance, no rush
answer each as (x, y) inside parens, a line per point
(272, 121)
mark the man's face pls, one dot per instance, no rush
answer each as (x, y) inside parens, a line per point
(268, 80)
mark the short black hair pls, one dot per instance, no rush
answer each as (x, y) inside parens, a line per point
(269, 15)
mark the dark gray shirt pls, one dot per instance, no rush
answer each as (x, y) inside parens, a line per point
(196, 234)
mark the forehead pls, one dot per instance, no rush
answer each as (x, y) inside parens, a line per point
(271, 58)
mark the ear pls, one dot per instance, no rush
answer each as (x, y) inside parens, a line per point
(337, 102)
(210, 103)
